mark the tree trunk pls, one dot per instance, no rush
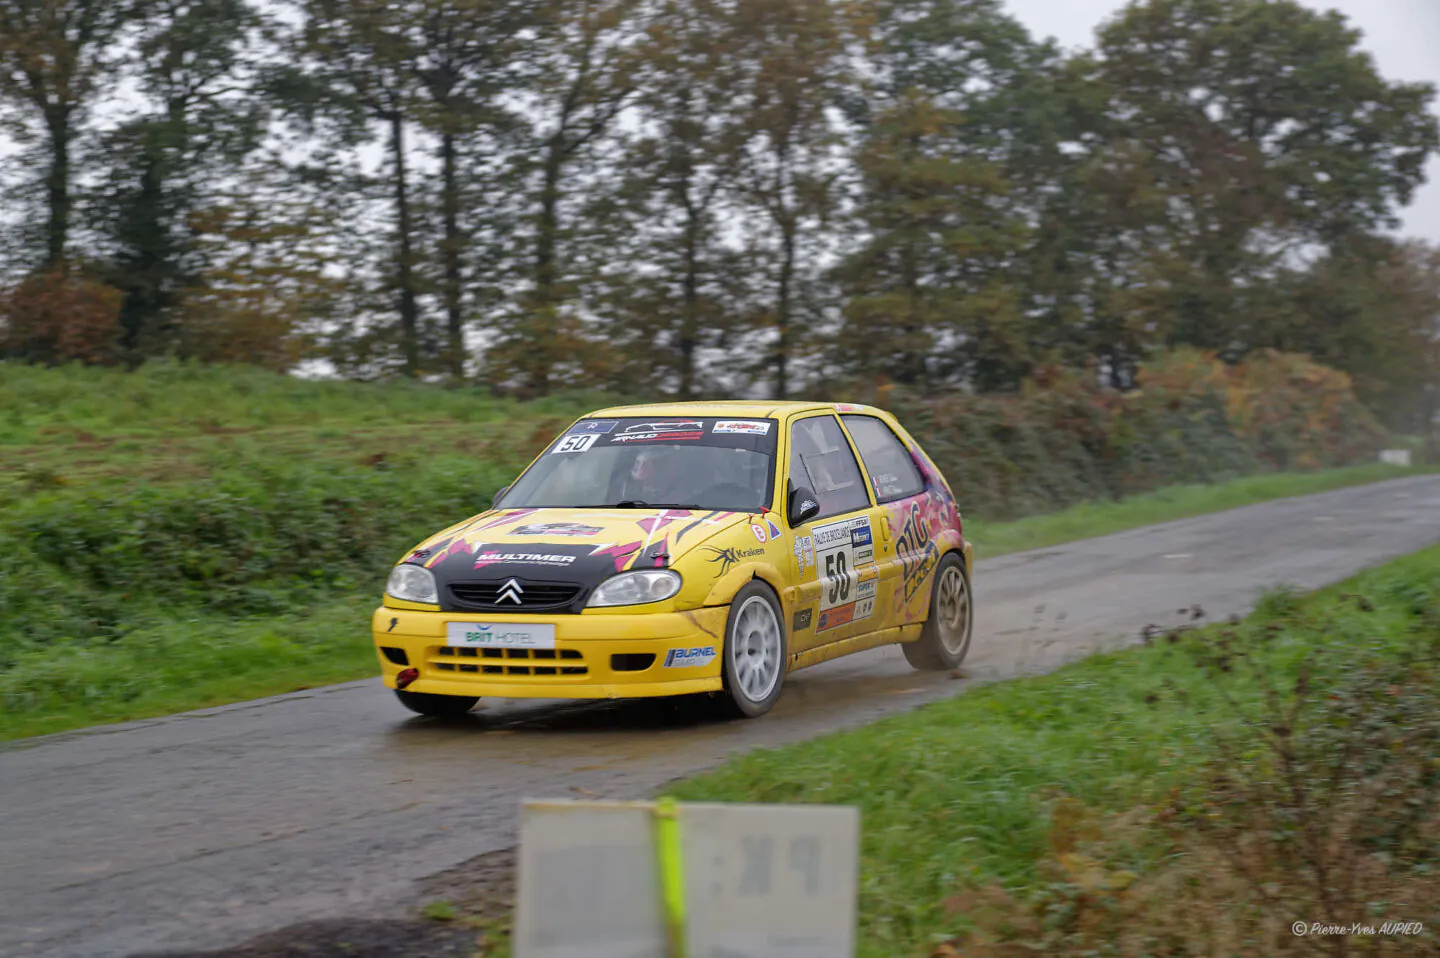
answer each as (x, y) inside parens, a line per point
(409, 309)
(542, 318)
(782, 311)
(57, 231)
(912, 363)
(450, 202)
(144, 268)
(690, 321)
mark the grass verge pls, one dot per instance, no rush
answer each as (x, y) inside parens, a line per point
(1077, 812)
(194, 662)
(1196, 796)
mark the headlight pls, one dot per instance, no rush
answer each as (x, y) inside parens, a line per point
(412, 583)
(633, 588)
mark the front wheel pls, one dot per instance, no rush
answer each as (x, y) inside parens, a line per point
(945, 639)
(440, 706)
(753, 667)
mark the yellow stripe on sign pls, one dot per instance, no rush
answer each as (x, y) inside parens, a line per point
(672, 875)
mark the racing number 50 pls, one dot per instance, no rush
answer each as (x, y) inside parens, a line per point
(839, 577)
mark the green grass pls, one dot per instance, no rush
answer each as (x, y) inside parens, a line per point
(97, 430)
(185, 399)
(192, 661)
(960, 794)
(1164, 505)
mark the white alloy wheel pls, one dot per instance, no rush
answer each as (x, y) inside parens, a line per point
(754, 662)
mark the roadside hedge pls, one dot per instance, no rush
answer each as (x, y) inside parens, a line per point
(1063, 440)
(267, 535)
(259, 541)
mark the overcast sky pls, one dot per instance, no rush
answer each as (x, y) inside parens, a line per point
(1402, 35)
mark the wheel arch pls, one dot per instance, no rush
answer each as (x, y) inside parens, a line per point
(724, 590)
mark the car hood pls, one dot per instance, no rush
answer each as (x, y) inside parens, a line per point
(581, 547)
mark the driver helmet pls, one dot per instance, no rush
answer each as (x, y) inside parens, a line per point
(655, 465)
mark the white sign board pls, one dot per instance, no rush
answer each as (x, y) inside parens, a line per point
(588, 882)
(770, 881)
(761, 881)
(1395, 457)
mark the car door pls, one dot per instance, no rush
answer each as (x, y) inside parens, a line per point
(834, 553)
(899, 490)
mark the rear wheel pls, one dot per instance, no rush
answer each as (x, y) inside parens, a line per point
(753, 667)
(945, 639)
(442, 706)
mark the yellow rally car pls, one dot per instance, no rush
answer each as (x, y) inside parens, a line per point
(685, 548)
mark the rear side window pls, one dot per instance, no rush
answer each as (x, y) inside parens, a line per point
(891, 469)
(821, 458)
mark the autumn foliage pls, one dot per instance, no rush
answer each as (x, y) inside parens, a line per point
(61, 316)
(1065, 439)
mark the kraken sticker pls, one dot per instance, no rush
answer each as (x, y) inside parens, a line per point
(728, 557)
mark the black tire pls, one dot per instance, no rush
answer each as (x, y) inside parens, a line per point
(440, 706)
(945, 640)
(755, 641)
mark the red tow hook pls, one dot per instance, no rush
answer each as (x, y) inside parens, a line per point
(405, 677)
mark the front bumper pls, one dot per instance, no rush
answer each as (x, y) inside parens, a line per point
(596, 656)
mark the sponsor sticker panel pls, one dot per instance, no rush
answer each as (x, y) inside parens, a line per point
(917, 550)
(748, 427)
(728, 557)
(489, 557)
(556, 529)
(656, 436)
(496, 635)
(691, 658)
(804, 549)
(845, 560)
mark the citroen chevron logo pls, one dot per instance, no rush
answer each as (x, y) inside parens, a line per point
(512, 590)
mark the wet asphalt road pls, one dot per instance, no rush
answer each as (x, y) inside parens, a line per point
(199, 830)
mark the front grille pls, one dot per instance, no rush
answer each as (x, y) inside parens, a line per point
(486, 596)
(511, 661)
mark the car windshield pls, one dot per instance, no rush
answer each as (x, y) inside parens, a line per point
(699, 463)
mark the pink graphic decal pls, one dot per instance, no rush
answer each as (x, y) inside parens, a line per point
(759, 531)
(652, 524)
(622, 554)
(457, 546)
(927, 525)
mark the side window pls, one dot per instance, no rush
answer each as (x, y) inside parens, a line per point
(821, 459)
(892, 471)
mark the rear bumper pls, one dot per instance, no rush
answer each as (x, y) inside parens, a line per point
(583, 664)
